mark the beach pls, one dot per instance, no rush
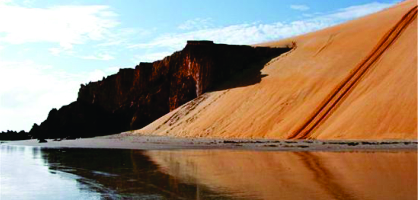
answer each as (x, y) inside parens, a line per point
(152, 142)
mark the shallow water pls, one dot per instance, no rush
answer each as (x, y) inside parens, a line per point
(41, 173)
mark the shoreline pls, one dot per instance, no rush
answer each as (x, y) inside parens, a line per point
(151, 142)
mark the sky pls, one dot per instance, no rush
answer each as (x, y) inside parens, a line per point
(49, 47)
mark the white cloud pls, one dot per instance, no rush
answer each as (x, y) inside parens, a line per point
(96, 75)
(197, 23)
(251, 33)
(98, 57)
(62, 25)
(235, 34)
(150, 57)
(33, 90)
(123, 36)
(28, 2)
(358, 11)
(56, 51)
(5, 1)
(299, 7)
(112, 70)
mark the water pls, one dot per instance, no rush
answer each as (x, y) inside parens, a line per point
(40, 173)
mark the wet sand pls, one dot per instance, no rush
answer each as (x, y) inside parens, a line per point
(144, 142)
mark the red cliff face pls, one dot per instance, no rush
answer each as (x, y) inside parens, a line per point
(133, 98)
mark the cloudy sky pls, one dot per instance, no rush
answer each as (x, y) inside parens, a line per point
(49, 47)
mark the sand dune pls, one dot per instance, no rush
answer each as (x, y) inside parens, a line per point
(357, 80)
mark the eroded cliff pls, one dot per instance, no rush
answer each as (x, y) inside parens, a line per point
(133, 98)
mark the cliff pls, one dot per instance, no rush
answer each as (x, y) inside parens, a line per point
(14, 135)
(133, 98)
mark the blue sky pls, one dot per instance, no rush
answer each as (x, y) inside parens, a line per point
(48, 48)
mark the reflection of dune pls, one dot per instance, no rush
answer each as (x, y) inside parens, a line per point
(296, 175)
(357, 80)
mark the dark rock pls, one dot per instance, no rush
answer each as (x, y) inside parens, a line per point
(133, 98)
(78, 119)
(14, 135)
(42, 141)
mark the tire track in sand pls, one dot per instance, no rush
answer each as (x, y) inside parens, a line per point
(345, 87)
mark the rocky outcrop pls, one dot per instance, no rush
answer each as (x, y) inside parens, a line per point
(14, 135)
(133, 98)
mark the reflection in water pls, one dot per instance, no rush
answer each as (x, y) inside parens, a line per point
(296, 175)
(205, 174)
(101, 173)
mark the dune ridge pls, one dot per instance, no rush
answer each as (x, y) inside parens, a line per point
(339, 93)
(356, 80)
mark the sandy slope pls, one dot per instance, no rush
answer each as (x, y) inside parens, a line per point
(357, 80)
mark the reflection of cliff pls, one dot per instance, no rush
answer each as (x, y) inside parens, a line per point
(120, 174)
(296, 175)
(133, 98)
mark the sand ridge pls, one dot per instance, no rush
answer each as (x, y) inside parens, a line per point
(357, 80)
(349, 82)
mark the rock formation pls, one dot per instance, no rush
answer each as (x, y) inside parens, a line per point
(14, 135)
(133, 98)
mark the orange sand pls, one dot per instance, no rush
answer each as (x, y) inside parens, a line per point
(357, 80)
